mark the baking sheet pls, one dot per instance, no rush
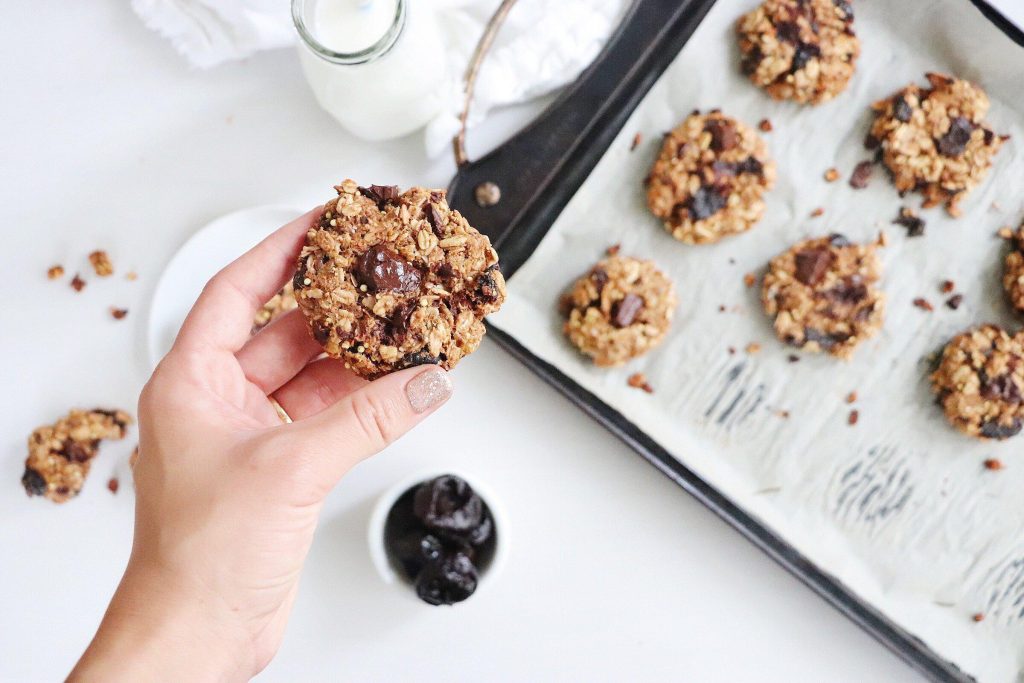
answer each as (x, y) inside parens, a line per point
(898, 507)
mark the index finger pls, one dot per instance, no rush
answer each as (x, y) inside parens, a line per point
(222, 315)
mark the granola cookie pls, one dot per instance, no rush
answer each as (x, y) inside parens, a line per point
(822, 295)
(709, 179)
(934, 140)
(279, 304)
(1013, 274)
(619, 310)
(60, 455)
(801, 50)
(980, 380)
(390, 279)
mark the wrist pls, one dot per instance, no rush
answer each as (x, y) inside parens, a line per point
(158, 629)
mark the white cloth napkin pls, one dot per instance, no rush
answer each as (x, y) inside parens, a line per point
(543, 44)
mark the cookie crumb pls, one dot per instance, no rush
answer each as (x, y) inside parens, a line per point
(853, 417)
(118, 313)
(817, 212)
(721, 308)
(883, 239)
(861, 175)
(613, 250)
(851, 397)
(113, 485)
(639, 381)
(954, 301)
(793, 358)
(731, 350)
(131, 275)
(749, 279)
(978, 616)
(947, 286)
(923, 304)
(77, 283)
(765, 126)
(993, 464)
(487, 194)
(832, 175)
(637, 139)
(54, 272)
(753, 348)
(784, 414)
(909, 220)
(101, 263)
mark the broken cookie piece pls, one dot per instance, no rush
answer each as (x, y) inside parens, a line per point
(934, 140)
(60, 455)
(710, 178)
(390, 279)
(801, 50)
(979, 382)
(821, 295)
(621, 309)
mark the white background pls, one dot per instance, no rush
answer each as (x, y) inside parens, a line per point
(110, 141)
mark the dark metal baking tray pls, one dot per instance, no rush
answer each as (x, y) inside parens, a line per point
(541, 168)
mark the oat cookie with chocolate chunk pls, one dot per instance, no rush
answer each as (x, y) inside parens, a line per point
(60, 455)
(979, 382)
(709, 180)
(278, 305)
(1013, 273)
(934, 140)
(822, 295)
(389, 279)
(801, 50)
(619, 310)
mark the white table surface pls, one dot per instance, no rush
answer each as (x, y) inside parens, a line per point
(111, 141)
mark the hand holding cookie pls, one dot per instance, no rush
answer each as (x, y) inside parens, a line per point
(228, 494)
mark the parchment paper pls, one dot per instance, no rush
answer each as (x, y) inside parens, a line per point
(898, 507)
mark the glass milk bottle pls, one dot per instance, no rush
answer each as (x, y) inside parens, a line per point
(377, 66)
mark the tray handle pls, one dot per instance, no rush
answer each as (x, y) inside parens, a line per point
(540, 168)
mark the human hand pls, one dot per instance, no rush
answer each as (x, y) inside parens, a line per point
(227, 495)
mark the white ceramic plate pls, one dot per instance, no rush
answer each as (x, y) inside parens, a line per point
(212, 247)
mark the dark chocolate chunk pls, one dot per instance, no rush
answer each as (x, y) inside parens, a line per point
(299, 279)
(723, 169)
(435, 219)
(420, 358)
(321, 333)
(954, 301)
(33, 482)
(901, 110)
(487, 288)
(723, 134)
(1001, 388)
(837, 239)
(812, 264)
(750, 165)
(871, 142)
(996, 430)
(705, 202)
(626, 310)
(788, 31)
(382, 194)
(825, 341)
(600, 278)
(850, 291)
(76, 451)
(913, 223)
(861, 175)
(447, 582)
(448, 505)
(750, 61)
(954, 142)
(382, 270)
(805, 52)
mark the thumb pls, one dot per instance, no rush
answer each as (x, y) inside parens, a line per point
(372, 417)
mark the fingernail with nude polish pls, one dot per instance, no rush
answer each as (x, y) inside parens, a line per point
(428, 389)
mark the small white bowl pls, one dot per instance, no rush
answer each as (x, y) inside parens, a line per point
(379, 515)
